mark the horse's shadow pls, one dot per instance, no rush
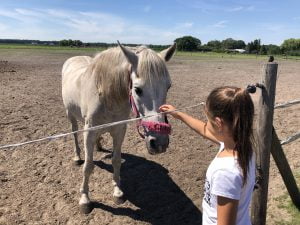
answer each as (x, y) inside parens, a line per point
(148, 186)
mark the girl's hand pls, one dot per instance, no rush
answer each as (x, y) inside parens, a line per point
(167, 108)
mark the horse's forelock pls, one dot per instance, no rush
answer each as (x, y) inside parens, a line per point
(151, 66)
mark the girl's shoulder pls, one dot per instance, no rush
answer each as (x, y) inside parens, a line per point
(227, 163)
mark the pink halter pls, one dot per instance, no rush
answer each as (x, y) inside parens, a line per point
(156, 127)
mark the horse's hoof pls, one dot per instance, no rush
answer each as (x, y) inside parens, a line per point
(78, 162)
(119, 200)
(86, 208)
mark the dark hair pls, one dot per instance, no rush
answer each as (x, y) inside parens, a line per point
(234, 105)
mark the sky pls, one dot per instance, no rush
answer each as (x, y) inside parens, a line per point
(150, 21)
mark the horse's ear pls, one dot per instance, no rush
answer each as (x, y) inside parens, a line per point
(130, 55)
(168, 53)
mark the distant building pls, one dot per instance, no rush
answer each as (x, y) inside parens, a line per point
(34, 43)
(239, 50)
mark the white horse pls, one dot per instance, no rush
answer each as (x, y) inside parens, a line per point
(97, 91)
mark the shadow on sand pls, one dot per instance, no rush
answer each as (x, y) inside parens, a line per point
(148, 186)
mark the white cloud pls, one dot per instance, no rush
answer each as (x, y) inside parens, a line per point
(9, 14)
(221, 24)
(29, 13)
(52, 24)
(241, 8)
(236, 9)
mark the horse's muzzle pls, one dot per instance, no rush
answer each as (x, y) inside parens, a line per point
(156, 145)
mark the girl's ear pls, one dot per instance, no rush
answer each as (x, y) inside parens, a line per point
(219, 122)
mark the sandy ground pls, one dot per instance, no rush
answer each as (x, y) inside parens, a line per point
(40, 185)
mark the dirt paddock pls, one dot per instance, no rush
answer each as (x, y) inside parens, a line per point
(40, 185)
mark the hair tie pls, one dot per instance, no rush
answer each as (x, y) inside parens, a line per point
(251, 88)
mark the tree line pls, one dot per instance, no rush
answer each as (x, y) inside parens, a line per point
(289, 47)
(187, 43)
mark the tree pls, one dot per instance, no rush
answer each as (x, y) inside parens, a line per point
(263, 50)
(230, 43)
(240, 44)
(214, 45)
(273, 49)
(77, 43)
(206, 48)
(253, 46)
(291, 44)
(188, 43)
(63, 42)
(70, 42)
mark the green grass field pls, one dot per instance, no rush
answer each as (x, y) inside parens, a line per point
(231, 55)
(188, 55)
(47, 47)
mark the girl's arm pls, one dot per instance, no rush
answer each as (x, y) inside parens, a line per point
(197, 125)
(226, 210)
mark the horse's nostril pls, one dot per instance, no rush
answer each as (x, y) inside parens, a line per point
(152, 144)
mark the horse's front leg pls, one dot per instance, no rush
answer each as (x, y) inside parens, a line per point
(89, 142)
(118, 134)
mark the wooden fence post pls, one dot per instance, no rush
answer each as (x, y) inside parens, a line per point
(264, 140)
(285, 170)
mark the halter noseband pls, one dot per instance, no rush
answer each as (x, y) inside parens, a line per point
(148, 126)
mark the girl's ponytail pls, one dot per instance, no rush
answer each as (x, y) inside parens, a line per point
(242, 128)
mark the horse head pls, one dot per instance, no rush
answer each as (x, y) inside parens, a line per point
(149, 84)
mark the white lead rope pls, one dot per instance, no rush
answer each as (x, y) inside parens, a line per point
(102, 126)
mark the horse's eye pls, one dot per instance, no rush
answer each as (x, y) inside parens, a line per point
(138, 91)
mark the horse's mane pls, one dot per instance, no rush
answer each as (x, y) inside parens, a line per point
(111, 72)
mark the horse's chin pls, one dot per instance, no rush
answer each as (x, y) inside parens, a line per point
(159, 150)
(157, 145)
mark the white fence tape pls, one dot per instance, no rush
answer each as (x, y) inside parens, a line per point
(102, 126)
(284, 105)
(287, 104)
(290, 139)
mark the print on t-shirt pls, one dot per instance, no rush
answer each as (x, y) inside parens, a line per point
(207, 192)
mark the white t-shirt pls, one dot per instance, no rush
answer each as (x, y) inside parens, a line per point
(225, 178)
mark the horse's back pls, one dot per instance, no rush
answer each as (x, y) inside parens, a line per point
(75, 66)
(72, 71)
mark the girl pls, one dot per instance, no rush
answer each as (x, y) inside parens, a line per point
(230, 176)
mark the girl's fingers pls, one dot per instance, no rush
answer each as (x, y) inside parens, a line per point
(165, 108)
